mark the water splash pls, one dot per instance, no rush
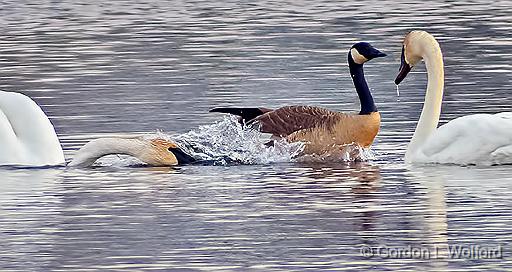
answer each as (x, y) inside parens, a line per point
(341, 153)
(227, 142)
(118, 161)
(397, 93)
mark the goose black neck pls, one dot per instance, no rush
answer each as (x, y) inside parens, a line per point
(365, 97)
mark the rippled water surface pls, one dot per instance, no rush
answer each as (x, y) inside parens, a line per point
(103, 68)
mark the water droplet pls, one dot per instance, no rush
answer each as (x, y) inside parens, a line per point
(397, 94)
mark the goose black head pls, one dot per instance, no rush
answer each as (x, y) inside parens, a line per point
(362, 52)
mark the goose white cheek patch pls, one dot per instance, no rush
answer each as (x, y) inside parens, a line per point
(358, 58)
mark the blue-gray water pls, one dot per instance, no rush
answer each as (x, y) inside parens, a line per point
(101, 68)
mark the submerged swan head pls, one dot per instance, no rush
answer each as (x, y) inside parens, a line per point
(416, 45)
(161, 152)
(155, 152)
(362, 52)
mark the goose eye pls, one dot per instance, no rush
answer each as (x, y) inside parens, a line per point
(169, 149)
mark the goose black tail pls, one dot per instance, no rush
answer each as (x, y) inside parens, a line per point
(246, 114)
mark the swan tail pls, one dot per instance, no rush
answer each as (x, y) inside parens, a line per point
(502, 155)
(246, 114)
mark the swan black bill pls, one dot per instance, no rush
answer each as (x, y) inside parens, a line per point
(181, 156)
(405, 68)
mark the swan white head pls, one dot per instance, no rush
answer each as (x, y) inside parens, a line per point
(416, 45)
(362, 52)
(153, 151)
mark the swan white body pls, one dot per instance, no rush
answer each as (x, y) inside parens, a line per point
(27, 137)
(483, 139)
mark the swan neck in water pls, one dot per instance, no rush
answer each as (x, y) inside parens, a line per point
(429, 118)
(365, 96)
(98, 148)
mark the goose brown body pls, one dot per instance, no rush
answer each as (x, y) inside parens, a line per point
(320, 129)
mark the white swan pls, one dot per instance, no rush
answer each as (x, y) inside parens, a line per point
(26, 135)
(474, 139)
(28, 138)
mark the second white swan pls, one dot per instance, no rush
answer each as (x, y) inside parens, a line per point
(484, 139)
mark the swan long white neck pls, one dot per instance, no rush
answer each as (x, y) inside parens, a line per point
(98, 148)
(429, 118)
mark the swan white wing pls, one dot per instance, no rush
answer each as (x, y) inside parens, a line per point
(27, 136)
(471, 139)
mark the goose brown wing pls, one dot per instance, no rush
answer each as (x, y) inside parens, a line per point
(287, 120)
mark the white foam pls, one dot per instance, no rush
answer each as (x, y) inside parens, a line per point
(227, 141)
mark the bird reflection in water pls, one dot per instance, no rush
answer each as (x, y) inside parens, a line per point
(366, 175)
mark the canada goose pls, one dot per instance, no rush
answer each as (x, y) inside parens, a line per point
(471, 139)
(27, 138)
(320, 129)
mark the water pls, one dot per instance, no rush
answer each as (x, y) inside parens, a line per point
(110, 68)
